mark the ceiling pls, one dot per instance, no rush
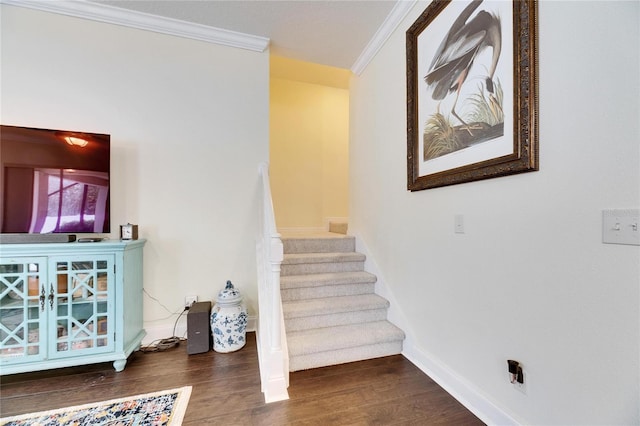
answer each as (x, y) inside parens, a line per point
(328, 32)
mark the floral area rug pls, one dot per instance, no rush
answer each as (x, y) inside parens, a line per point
(152, 409)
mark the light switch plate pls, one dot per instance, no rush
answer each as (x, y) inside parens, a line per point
(458, 223)
(621, 226)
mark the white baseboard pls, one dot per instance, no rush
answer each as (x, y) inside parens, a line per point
(296, 231)
(313, 229)
(462, 390)
(165, 331)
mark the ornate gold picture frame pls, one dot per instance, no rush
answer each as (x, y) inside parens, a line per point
(472, 92)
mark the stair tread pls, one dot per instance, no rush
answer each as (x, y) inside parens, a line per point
(333, 305)
(342, 336)
(317, 243)
(300, 258)
(329, 278)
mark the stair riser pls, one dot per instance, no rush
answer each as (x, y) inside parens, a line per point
(321, 268)
(326, 291)
(323, 245)
(321, 359)
(343, 318)
(327, 339)
(338, 228)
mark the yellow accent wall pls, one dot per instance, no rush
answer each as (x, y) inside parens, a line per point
(309, 143)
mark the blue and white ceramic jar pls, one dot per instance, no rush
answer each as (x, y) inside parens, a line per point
(228, 320)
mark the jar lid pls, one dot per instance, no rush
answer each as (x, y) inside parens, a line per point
(229, 295)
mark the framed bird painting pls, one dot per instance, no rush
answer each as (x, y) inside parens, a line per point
(472, 92)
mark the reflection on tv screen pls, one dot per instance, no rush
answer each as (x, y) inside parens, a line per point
(52, 182)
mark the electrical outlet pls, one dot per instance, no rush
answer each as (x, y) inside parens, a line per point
(517, 376)
(190, 300)
(522, 387)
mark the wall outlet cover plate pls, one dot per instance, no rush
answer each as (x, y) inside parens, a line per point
(621, 226)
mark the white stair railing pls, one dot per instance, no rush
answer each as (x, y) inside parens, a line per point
(272, 342)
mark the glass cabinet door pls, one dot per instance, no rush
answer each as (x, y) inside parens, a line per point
(82, 305)
(22, 309)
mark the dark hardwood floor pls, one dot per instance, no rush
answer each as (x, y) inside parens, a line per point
(226, 390)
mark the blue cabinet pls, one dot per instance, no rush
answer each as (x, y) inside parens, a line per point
(66, 304)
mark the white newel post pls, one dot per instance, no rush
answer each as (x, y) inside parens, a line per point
(277, 255)
(272, 345)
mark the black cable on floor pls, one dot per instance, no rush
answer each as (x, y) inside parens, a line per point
(165, 344)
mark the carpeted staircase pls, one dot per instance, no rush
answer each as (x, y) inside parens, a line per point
(331, 312)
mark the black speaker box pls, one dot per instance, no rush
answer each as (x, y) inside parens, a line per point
(199, 328)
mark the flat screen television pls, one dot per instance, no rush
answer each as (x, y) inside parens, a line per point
(53, 181)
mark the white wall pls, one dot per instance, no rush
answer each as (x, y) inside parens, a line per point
(189, 125)
(530, 278)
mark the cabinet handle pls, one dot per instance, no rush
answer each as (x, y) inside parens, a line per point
(42, 299)
(51, 297)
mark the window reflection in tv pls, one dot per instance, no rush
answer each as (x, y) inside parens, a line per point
(54, 181)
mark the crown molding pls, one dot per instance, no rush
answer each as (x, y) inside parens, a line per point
(391, 22)
(114, 15)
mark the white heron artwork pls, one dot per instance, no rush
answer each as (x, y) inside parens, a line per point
(467, 58)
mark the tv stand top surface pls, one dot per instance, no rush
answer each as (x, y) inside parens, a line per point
(40, 249)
